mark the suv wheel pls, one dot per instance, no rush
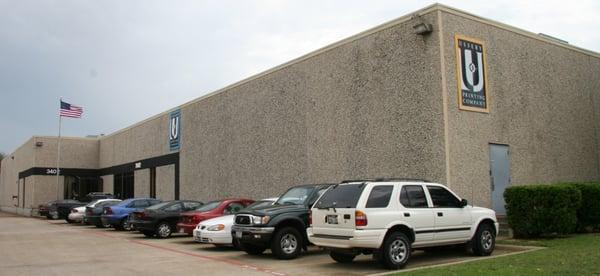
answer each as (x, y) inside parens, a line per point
(396, 251)
(484, 241)
(287, 243)
(342, 257)
(253, 249)
(163, 230)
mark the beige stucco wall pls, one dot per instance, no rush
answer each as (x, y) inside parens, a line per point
(74, 153)
(141, 180)
(368, 108)
(141, 141)
(45, 189)
(540, 105)
(165, 183)
(21, 159)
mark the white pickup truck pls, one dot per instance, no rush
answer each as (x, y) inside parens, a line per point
(391, 217)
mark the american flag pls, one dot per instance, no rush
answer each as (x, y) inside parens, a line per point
(69, 110)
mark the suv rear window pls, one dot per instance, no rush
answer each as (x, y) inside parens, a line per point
(380, 196)
(341, 196)
(413, 196)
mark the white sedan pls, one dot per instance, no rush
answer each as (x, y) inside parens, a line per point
(77, 214)
(217, 231)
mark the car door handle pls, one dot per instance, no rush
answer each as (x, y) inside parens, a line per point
(440, 214)
(407, 214)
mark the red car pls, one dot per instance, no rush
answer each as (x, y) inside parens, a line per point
(188, 221)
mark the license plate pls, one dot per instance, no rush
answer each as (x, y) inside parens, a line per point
(238, 234)
(181, 230)
(332, 219)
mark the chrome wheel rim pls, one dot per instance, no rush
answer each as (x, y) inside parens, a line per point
(289, 243)
(164, 230)
(398, 251)
(487, 240)
(126, 225)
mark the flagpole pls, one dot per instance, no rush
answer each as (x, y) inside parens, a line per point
(58, 153)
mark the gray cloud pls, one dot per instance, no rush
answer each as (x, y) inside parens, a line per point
(124, 61)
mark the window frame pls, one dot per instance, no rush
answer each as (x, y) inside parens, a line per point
(449, 191)
(368, 196)
(428, 202)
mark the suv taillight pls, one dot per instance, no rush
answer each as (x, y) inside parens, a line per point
(310, 217)
(360, 218)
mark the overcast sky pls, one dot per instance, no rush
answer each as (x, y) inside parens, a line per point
(124, 61)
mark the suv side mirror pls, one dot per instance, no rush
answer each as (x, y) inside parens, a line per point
(463, 203)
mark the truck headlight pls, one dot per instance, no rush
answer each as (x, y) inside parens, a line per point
(260, 220)
(217, 227)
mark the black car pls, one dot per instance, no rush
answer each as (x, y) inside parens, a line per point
(161, 219)
(44, 209)
(93, 214)
(282, 226)
(60, 209)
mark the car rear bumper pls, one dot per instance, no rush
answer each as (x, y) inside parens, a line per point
(358, 239)
(214, 237)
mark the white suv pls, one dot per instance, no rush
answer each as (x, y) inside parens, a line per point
(390, 217)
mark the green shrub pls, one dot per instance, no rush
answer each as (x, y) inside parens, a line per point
(588, 215)
(538, 210)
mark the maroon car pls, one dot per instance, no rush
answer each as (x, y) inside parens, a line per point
(189, 220)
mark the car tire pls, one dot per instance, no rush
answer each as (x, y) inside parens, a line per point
(99, 225)
(286, 243)
(236, 244)
(163, 230)
(148, 234)
(253, 249)
(70, 221)
(342, 258)
(395, 251)
(125, 225)
(484, 241)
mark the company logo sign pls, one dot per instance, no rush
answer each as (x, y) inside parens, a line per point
(471, 74)
(175, 130)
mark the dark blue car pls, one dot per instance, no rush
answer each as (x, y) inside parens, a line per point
(117, 215)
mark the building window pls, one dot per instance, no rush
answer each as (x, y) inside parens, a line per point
(123, 185)
(78, 187)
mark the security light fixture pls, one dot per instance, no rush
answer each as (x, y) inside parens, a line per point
(423, 28)
(39, 144)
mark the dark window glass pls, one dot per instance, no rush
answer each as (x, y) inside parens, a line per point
(208, 206)
(233, 208)
(413, 196)
(380, 196)
(442, 197)
(341, 196)
(139, 204)
(191, 205)
(173, 208)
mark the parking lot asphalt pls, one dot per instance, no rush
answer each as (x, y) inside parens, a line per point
(32, 246)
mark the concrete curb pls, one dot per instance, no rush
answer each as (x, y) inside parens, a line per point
(527, 250)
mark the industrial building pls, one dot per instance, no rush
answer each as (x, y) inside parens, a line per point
(438, 94)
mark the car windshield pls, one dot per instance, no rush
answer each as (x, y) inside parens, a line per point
(295, 196)
(208, 206)
(160, 205)
(341, 196)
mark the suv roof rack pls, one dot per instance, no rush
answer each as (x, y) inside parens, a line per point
(381, 179)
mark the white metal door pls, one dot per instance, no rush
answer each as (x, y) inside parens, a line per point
(499, 176)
